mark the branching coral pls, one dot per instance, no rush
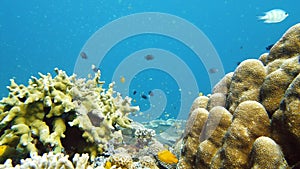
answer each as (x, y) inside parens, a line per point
(50, 112)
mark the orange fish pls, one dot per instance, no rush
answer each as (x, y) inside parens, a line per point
(167, 157)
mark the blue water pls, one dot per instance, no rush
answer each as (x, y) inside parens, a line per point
(38, 36)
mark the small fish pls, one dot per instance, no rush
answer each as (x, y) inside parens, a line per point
(134, 92)
(269, 47)
(213, 70)
(144, 96)
(149, 57)
(274, 16)
(167, 157)
(151, 93)
(90, 76)
(94, 68)
(83, 55)
(122, 79)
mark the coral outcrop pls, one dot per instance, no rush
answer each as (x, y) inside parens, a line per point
(51, 112)
(252, 118)
(219, 120)
(51, 160)
(266, 154)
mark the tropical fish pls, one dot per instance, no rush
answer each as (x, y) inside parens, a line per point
(269, 47)
(213, 70)
(122, 79)
(94, 68)
(274, 16)
(149, 57)
(167, 157)
(107, 165)
(83, 55)
(144, 96)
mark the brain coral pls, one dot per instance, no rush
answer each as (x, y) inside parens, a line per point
(263, 97)
(51, 112)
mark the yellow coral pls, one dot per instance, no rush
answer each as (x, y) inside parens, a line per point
(167, 157)
(51, 112)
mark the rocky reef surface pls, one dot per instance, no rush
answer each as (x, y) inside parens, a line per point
(252, 118)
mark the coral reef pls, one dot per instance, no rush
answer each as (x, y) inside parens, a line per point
(50, 112)
(51, 160)
(147, 162)
(266, 154)
(251, 120)
(144, 135)
(264, 128)
(219, 120)
(121, 160)
(245, 83)
(191, 140)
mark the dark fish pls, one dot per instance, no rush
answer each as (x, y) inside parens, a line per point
(269, 47)
(95, 69)
(238, 63)
(213, 70)
(151, 93)
(134, 92)
(144, 96)
(83, 55)
(149, 57)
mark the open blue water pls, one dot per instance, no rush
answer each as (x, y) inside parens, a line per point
(37, 36)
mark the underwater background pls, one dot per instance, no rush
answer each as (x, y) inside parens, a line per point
(37, 36)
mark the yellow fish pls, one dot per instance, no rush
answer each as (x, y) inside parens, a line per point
(107, 165)
(167, 157)
(122, 79)
(3, 148)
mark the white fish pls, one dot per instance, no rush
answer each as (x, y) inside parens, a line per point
(274, 16)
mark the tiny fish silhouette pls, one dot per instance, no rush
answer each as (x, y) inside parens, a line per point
(144, 96)
(83, 55)
(149, 57)
(151, 93)
(269, 47)
(213, 70)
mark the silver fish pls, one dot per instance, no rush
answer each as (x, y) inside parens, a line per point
(274, 16)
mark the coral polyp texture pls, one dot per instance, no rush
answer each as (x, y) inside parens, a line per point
(252, 119)
(51, 112)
